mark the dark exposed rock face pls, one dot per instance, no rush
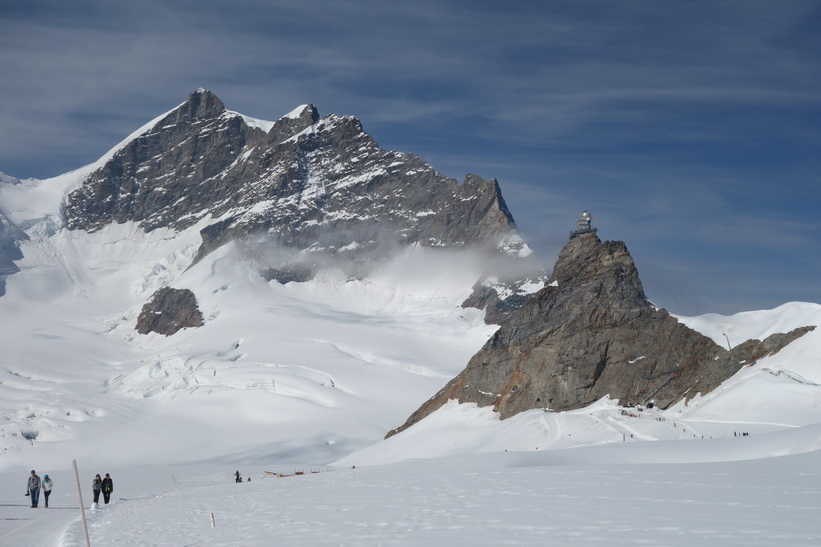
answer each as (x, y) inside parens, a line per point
(10, 235)
(169, 311)
(486, 296)
(305, 182)
(286, 274)
(591, 333)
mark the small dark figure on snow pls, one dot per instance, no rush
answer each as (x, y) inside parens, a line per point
(238, 477)
(108, 487)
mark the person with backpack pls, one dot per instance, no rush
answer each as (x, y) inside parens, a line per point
(47, 486)
(96, 486)
(108, 487)
(33, 489)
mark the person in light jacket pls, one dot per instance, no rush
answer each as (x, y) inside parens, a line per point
(96, 486)
(47, 486)
(33, 488)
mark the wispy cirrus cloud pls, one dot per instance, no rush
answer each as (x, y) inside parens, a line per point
(689, 128)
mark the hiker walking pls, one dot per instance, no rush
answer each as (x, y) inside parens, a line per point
(238, 477)
(108, 487)
(96, 486)
(33, 488)
(47, 486)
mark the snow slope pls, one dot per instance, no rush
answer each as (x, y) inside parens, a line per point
(301, 371)
(315, 368)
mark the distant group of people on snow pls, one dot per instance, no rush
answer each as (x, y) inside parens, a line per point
(106, 486)
(35, 485)
(238, 477)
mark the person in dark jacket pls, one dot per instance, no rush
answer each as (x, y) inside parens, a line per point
(96, 486)
(33, 488)
(108, 487)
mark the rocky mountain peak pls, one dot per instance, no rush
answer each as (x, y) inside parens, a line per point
(591, 333)
(293, 123)
(200, 104)
(309, 181)
(309, 115)
(585, 260)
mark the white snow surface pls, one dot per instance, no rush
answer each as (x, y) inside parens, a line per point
(295, 113)
(264, 125)
(310, 376)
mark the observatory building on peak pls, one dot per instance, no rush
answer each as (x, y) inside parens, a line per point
(583, 225)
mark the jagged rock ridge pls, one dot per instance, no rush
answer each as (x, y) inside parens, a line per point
(307, 181)
(592, 333)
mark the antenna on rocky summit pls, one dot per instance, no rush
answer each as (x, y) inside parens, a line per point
(583, 225)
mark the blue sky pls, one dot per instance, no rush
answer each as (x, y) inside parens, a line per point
(691, 130)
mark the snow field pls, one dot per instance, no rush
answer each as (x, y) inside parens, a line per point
(619, 494)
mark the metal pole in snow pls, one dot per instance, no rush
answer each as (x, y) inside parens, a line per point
(82, 507)
(728, 341)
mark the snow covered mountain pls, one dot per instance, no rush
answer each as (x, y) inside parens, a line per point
(229, 211)
(306, 182)
(330, 277)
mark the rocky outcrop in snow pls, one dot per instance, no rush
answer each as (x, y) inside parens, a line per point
(592, 333)
(168, 311)
(10, 235)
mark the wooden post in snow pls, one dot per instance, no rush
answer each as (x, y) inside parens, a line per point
(82, 507)
(213, 522)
